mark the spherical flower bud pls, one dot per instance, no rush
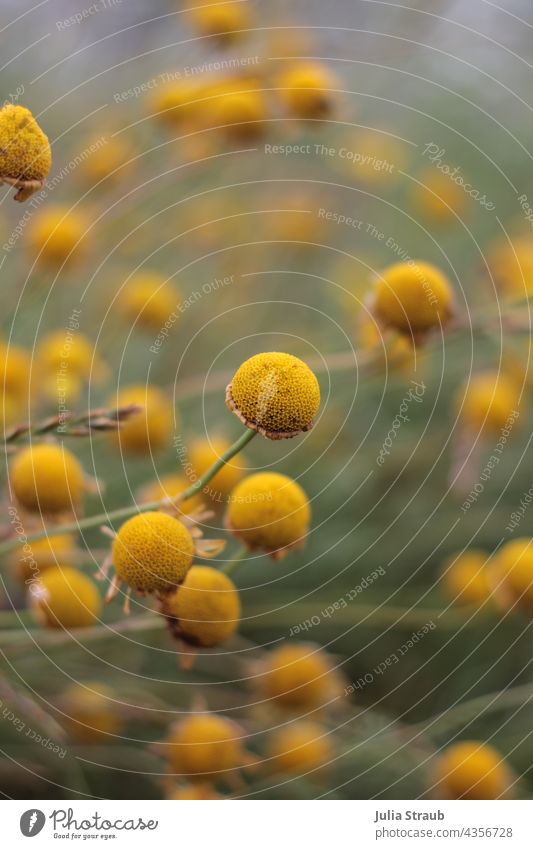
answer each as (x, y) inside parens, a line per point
(270, 512)
(25, 155)
(148, 430)
(299, 748)
(223, 21)
(472, 770)
(488, 402)
(147, 300)
(275, 394)
(47, 478)
(308, 90)
(205, 610)
(514, 567)
(152, 552)
(299, 676)
(466, 578)
(412, 297)
(206, 746)
(64, 598)
(59, 235)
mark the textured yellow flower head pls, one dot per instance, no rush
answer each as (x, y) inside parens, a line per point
(15, 367)
(29, 560)
(203, 453)
(148, 430)
(242, 114)
(205, 610)
(148, 300)
(275, 394)
(59, 235)
(47, 478)
(299, 748)
(64, 598)
(488, 402)
(308, 90)
(472, 770)
(223, 21)
(89, 712)
(269, 512)
(152, 552)
(25, 155)
(466, 577)
(514, 566)
(206, 746)
(412, 297)
(299, 675)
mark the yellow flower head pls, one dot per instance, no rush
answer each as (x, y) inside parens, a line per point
(205, 610)
(59, 235)
(175, 103)
(438, 197)
(47, 478)
(108, 160)
(412, 297)
(25, 155)
(148, 300)
(511, 266)
(90, 712)
(299, 676)
(64, 598)
(152, 552)
(30, 559)
(203, 453)
(69, 354)
(514, 564)
(170, 487)
(472, 770)
(308, 90)
(466, 578)
(224, 21)
(241, 113)
(275, 394)
(488, 401)
(299, 748)
(15, 366)
(149, 430)
(205, 747)
(270, 512)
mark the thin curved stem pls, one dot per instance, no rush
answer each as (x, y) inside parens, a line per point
(132, 509)
(235, 564)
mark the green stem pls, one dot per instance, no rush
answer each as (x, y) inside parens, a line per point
(233, 565)
(126, 512)
(473, 709)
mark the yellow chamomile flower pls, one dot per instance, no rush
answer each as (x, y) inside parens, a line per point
(275, 394)
(299, 675)
(412, 297)
(147, 300)
(269, 512)
(308, 90)
(206, 747)
(472, 770)
(466, 579)
(25, 155)
(514, 567)
(205, 610)
(224, 21)
(488, 402)
(148, 430)
(299, 748)
(47, 478)
(59, 234)
(64, 598)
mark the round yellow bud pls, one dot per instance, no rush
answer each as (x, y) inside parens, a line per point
(148, 430)
(299, 676)
(223, 21)
(488, 402)
(47, 478)
(64, 598)
(299, 748)
(241, 113)
(412, 297)
(25, 155)
(308, 90)
(205, 610)
(466, 579)
(58, 235)
(152, 552)
(275, 394)
(269, 512)
(472, 770)
(147, 300)
(205, 747)
(514, 564)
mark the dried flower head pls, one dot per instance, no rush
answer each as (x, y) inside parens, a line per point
(275, 394)
(25, 155)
